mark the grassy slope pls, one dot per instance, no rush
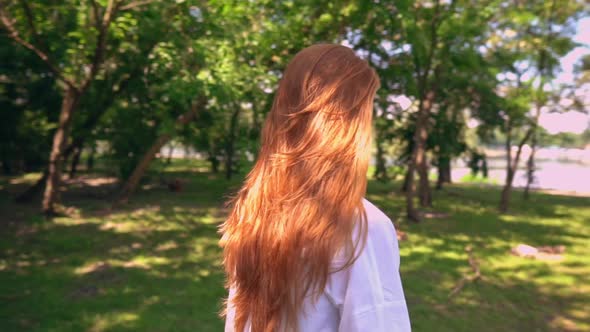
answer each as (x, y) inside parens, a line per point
(154, 265)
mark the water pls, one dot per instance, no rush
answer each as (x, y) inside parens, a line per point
(566, 170)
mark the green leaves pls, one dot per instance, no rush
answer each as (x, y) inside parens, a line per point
(159, 57)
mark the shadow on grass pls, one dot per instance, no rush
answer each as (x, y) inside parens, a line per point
(514, 294)
(154, 264)
(151, 265)
(134, 275)
(491, 304)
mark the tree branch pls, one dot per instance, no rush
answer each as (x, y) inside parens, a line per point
(8, 24)
(136, 4)
(187, 117)
(474, 264)
(526, 137)
(436, 20)
(508, 145)
(96, 14)
(97, 58)
(31, 22)
(520, 145)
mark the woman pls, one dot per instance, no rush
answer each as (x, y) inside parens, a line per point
(303, 250)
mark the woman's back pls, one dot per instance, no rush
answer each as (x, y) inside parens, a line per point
(300, 214)
(366, 296)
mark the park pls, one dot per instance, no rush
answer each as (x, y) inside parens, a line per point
(127, 126)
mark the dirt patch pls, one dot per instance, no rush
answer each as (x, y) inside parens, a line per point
(401, 236)
(544, 253)
(434, 215)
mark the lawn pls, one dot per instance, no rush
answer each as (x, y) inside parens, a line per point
(154, 264)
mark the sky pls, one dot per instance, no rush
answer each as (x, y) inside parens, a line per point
(575, 122)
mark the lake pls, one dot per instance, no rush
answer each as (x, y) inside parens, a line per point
(566, 170)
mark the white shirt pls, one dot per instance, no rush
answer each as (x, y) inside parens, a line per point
(367, 296)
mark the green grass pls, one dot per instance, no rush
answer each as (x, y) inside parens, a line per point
(479, 179)
(154, 264)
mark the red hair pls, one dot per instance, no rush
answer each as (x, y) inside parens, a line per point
(302, 201)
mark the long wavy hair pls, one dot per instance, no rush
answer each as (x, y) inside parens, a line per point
(302, 201)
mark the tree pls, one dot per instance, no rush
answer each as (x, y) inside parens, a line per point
(28, 103)
(424, 38)
(441, 36)
(427, 51)
(229, 75)
(75, 62)
(529, 39)
(552, 40)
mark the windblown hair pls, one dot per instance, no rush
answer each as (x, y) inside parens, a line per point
(302, 201)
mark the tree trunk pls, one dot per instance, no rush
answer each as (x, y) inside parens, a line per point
(411, 211)
(212, 158)
(439, 179)
(406, 183)
(214, 164)
(75, 162)
(131, 184)
(427, 93)
(444, 171)
(484, 167)
(51, 194)
(230, 144)
(418, 160)
(511, 168)
(170, 152)
(380, 168)
(530, 168)
(505, 196)
(32, 191)
(531, 160)
(424, 191)
(506, 191)
(90, 160)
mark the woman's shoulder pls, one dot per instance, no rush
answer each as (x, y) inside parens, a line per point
(379, 224)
